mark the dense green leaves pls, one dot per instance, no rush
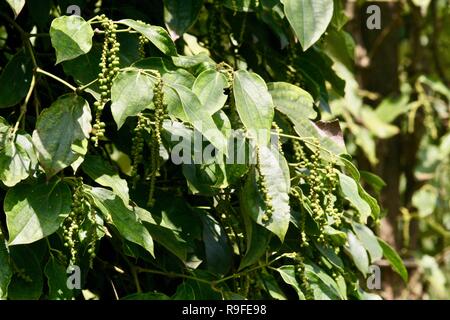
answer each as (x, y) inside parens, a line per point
(36, 211)
(58, 129)
(308, 18)
(131, 93)
(254, 105)
(15, 79)
(71, 37)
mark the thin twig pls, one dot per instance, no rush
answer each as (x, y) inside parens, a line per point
(48, 74)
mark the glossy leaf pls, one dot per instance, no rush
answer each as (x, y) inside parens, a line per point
(131, 93)
(15, 79)
(57, 281)
(254, 105)
(209, 88)
(308, 18)
(34, 212)
(71, 37)
(58, 128)
(369, 241)
(351, 192)
(16, 6)
(123, 218)
(287, 273)
(394, 259)
(157, 35)
(180, 15)
(103, 173)
(292, 101)
(358, 253)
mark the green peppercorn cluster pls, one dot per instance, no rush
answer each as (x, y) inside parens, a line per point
(93, 238)
(332, 181)
(264, 190)
(109, 66)
(137, 148)
(156, 140)
(142, 42)
(299, 154)
(73, 222)
(300, 272)
(316, 186)
(278, 130)
(303, 237)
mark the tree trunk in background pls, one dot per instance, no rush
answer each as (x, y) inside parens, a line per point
(378, 71)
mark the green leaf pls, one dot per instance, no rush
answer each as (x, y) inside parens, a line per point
(350, 190)
(218, 252)
(358, 253)
(28, 284)
(323, 286)
(15, 79)
(58, 128)
(308, 18)
(17, 160)
(292, 101)
(57, 281)
(34, 212)
(181, 15)
(16, 6)
(394, 259)
(209, 88)
(104, 174)
(254, 105)
(123, 218)
(257, 239)
(189, 109)
(71, 37)
(287, 273)
(369, 241)
(331, 256)
(271, 286)
(6, 270)
(131, 93)
(157, 35)
(275, 171)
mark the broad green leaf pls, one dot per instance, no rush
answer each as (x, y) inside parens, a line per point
(254, 105)
(58, 128)
(104, 174)
(181, 15)
(131, 92)
(257, 239)
(358, 253)
(369, 241)
(209, 88)
(6, 270)
(373, 180)
(218, 252)
(331, 256)
(292, 101)
(308, 18)
(350, 190)
(17, 160)
(189, 109)
(123, 218)
(29, 285)
(287, 273)
(57, 281)
(271, 286)
(275, 171)
(328, 134)
(169, 237)
(71, 37)
(15, 79)
(34, 212)
(16, 6)
(323, 286)
(195, 290)
(394, 259)
(157, 35)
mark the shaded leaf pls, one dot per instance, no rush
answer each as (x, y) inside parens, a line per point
(394, 259)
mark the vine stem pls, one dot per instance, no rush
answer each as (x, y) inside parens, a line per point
(23, 108)
(51, 75)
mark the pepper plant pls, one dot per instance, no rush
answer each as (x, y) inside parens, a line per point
(182, 155)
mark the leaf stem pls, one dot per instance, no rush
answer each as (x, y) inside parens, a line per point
(23, 108)
(51, 75)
